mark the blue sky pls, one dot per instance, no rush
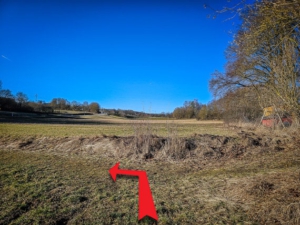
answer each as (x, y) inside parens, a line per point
(143, 55)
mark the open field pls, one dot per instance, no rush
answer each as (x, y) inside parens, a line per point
(93, 125)
(199, 173)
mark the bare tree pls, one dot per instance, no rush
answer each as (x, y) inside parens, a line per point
(21, 98)
(264, 56)
(5, 93)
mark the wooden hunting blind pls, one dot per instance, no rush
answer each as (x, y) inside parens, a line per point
(273, 116)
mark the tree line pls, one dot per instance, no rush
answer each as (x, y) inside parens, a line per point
(190, 109)
(64, 104)
(231, 107)
(20, 102)
(131, 114)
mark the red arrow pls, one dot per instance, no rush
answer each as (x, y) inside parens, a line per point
(146, 203)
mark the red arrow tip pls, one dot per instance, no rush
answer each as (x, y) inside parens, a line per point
(153, 215)
(114, 170)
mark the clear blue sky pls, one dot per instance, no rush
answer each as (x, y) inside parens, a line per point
(143, 55)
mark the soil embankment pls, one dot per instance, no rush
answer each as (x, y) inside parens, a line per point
(202, 179)
(203, 148)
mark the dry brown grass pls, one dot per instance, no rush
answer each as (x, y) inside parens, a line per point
(271, 197)
(55, 177)
(263, 130)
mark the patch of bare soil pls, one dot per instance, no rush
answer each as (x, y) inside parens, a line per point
(203, 147)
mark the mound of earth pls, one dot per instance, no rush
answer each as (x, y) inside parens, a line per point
(203, 147)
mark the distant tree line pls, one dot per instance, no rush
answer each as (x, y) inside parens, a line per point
(64, 104)
(131, 114)
(190, 109)
(20, 102)
(9, 102)
(199, 111)
(231, 107)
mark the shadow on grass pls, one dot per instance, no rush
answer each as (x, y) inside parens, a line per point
(48, 119)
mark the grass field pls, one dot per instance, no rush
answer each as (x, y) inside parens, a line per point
(256, 182)
(100, 125)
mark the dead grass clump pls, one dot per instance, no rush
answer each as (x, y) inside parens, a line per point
(261, 189)
(177, 148)
(145, 144)
(292, 213)
(143, 139)
(25, 143)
